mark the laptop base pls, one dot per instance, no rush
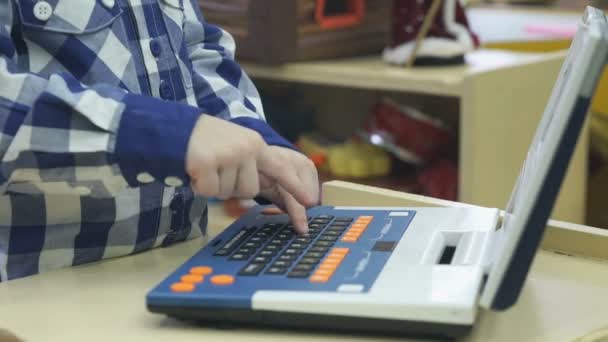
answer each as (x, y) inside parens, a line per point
(236, 317)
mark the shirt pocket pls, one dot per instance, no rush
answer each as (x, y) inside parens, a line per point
(68, 16)
(82, 37)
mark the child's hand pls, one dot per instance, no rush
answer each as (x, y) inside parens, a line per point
(273, 191)
(225, 160)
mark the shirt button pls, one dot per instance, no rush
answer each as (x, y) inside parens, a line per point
(156, 48)
(108, 3)
(43, 10)
(145, 178)
(165, 90)
(173, 182)
(83, 190)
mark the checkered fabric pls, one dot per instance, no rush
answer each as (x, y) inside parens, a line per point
(97, 102)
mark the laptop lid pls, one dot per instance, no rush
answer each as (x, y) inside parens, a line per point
(543, 171)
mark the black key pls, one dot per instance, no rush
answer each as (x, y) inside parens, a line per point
(257, 239)
(261, 259)
(268, 231)
(303, 267)
(310, 261)
(267, 253)
(336, 229)
(273, 225)
(276, 270)
(273, 248)
(314, 230)
(287, 257)
(328, 238)
(298, 274)
(324, 243)
(315, 255)
(245, 250)
(319, 249)
(298, 245)
(332, 233)
(344, 219)
(282, 263)
(222, 252)
(252, 269)
(316, 226)
(303, 240)
(277, 242)
(253, 245)
(262, 234)
(339, 224)
(329, 217)
(235, 241)
(292, 251)
(239, 257)
(284, 236)
(320, 222)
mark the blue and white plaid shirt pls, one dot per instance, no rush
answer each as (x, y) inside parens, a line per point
(97, 102)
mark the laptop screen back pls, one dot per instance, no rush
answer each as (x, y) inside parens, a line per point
(543, 171)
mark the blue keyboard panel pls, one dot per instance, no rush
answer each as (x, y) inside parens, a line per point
(260, 252)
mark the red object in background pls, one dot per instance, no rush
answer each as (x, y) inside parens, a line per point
(410, 14)
(412, 135)
(234, 207)
(319, 159)
(447, 41)
(440, 180)
(354, 15)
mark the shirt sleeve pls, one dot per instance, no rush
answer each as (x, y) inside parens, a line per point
(60, 136)
(221, 86)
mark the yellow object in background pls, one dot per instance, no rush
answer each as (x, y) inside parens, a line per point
(351, 159)
(358, 160)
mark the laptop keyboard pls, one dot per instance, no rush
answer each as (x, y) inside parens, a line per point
(274, 249)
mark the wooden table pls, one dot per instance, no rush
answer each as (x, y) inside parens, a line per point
(565, 297)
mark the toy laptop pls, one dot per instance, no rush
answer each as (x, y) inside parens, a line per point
(412, 271)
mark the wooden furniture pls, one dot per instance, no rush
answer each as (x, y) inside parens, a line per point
(564, 296)
(495, 101)
(279, 31)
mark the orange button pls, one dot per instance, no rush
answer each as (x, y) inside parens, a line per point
(319, 279)
(327, 267)
(222, 280)
(182, 287)
(349, 239)
(359, 225)
(356, 230)
(342, 251)
(325, 273)
(332, 261)
(192, 278)
(366, 218)
(201, 270)
(335, 256)
(352, 235)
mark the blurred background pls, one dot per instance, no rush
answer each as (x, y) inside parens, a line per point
(371, 90)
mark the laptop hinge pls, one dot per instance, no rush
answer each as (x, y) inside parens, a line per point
(496, 239)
